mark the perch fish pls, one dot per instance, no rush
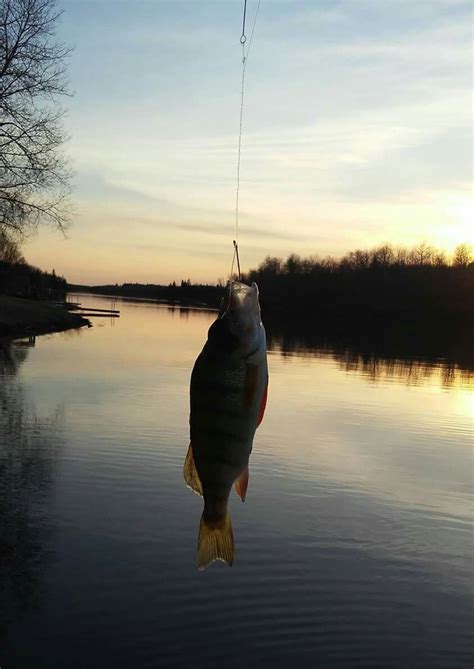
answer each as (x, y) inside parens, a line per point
(228, 396)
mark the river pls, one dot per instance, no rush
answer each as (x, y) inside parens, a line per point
(353, 549)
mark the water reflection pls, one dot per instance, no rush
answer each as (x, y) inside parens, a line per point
(411, 353)
(185, 312)
(382, 352)
(353, 547)
(28, 450)
(412, 372)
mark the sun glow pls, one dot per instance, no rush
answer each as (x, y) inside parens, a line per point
(460, 213)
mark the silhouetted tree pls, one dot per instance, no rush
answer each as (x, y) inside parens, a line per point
(378, 282)
(422, 254)
(293, 264)
(358, 259)
(9, 250)
(383, 255)
(462, 255)
(439, 259)
(33, 172)
(402, 257)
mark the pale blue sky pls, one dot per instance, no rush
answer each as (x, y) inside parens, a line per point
(357, 130)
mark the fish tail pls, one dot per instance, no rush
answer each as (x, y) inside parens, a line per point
(216, 541)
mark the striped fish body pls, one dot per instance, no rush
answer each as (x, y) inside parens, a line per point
(228, 396)
(226, 400)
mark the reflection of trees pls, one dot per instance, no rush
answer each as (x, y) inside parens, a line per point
(73, 333)
(28, 451)
(11, 357)
(184, 311)
(412, 372)
(380, 352)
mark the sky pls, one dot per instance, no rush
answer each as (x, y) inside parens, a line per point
(357, 130)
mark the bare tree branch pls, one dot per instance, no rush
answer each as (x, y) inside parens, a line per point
(34, 177)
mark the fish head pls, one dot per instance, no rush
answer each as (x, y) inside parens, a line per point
(240, 316)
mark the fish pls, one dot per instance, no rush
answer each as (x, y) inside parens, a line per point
(228, 396)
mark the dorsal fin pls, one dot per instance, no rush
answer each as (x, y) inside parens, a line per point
(190, 472)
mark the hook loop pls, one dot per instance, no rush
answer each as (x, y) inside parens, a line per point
(243, 39)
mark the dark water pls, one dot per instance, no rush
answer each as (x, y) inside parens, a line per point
(354, 548)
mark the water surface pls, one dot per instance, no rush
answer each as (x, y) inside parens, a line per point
(354, 547)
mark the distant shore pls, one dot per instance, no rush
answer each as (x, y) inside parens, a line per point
(20, 317)
(186, 295)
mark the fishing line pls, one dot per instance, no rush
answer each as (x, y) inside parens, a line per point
(235, 257)
(243, 38)
(245, 55)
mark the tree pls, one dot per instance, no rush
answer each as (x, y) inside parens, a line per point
(34, 176)
(361, 259)
(422, 254)
(9, 250)
(293, 264)
(271, 265)
(439, 259)
(383, 255)
(462, 255)
(402, 257)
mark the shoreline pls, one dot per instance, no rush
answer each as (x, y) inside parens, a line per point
(160, 301)
(20, 317)
(149, 300)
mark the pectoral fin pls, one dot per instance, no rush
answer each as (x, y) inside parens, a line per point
(190, 472)
(242, 483)
(216, 542)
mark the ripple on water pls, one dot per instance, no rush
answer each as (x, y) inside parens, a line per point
(353, 548)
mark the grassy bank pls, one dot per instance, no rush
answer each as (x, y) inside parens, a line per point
(20, 317)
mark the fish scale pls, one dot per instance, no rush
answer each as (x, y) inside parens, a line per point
(217, 405)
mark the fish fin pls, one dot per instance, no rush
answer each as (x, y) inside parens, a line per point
(263, 405)
(242, 483)
(216, 542)
(251, 383)
(190, 472)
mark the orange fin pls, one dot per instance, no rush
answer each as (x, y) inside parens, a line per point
(263, 405)
(216, 542)
(190, 472)
(242, 483)
(251, 382)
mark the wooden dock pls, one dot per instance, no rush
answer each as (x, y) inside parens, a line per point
(100, 311)
(89, 312)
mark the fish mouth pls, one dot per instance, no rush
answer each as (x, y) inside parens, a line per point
(239, 325)
(239, 297)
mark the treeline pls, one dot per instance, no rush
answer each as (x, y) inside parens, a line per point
(384, 281)
(20, 279)
(183, 293)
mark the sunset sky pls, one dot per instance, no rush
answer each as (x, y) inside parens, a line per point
(357, 130)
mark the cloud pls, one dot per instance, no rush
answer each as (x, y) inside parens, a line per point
(357, 125)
